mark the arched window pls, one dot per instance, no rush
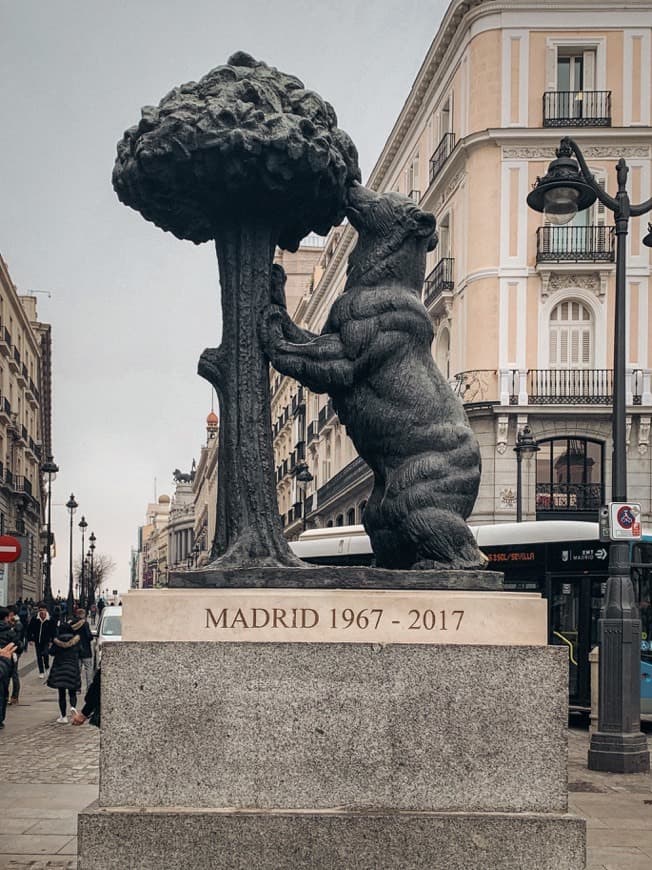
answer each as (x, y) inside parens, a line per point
(570, 477)
(571, 336)
(361, 507)
(443, 352)
(339, 520)
(350, 517)
(329, 524)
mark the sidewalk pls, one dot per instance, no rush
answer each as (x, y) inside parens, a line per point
(49, 772)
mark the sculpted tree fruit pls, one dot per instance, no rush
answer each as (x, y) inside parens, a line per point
(250, 158)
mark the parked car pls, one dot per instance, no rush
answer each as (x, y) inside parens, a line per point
(109, 631)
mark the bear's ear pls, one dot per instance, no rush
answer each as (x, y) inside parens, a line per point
(426, 225)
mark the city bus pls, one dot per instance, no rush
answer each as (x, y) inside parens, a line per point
(564, 561)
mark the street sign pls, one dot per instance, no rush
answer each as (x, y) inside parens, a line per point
(625, 521)
(10, 548)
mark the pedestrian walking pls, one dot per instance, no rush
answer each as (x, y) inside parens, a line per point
(42, 630)
(20, 639)
(64, 673)
(10, 634)
(6, 664)
(81, 628)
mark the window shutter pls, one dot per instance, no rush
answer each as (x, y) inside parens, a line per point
(589, 70)
(574, 355)
(586, 347)
(551, 68)
(563, 346)
(554, 361)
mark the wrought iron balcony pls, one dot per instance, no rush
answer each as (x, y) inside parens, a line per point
(593, 244)
(441, 154)
(438, 281)
(569, 387)
(578, 497)
(313, 431)
(577, 109)
(355, 471)
(326, 414)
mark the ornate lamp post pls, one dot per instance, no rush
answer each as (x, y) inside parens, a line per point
(83, 525)
(526, 447)
(304, 477)
(72, 506)
(618, 745)
(91, 585)
(49, 468)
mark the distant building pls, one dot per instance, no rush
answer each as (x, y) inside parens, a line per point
(25, 435)
(153, 545)
(204, 488)
(522, 311)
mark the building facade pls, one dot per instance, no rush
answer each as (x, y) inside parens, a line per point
(25, 434)
(522, 311)
(204, 487)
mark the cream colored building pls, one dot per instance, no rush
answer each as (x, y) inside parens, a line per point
(25, 439)
(153, 545)
(204, 488)
(522, 312)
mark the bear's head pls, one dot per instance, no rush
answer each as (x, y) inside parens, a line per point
(394, 235)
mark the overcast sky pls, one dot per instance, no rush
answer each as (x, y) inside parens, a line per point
(132, 307)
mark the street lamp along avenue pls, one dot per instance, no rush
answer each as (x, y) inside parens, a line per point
(91, 586)
(526, 447)
(50, 467)
(83, 525)
(304, 477)
(618, 745)
(72, 506)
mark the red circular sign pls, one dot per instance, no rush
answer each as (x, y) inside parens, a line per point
(10, 548)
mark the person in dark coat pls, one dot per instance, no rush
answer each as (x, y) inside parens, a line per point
(80, 626)
(6, 666)
(10, 634)
(42, 630)
(64, 673)
(91, 711)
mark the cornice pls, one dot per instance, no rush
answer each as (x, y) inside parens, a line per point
(455, 25)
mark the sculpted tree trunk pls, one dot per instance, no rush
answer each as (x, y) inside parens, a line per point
(250, 158)
(248, 530)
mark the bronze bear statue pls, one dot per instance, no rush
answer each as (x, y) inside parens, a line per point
(374, 359)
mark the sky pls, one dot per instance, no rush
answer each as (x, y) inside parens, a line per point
(132, 307)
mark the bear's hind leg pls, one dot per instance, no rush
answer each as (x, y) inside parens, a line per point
(442, 540)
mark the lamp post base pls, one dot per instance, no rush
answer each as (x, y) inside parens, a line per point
(619, 753)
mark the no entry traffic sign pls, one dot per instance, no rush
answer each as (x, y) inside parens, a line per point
(10, 548)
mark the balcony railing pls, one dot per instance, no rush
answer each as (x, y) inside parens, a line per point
(351, 473)
(593, 244)
(326, 413)
(577, 109)
(438, 281)
(570, 386)
(477, 386)
(441, 154)
(569, 497)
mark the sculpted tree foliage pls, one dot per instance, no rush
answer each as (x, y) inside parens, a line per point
(250, 158)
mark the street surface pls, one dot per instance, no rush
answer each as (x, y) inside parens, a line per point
(49, 772)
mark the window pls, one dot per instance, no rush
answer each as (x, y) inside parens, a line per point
(443, 353)
(350, 517)
(569, 476)
(571, 336)
(339, 520)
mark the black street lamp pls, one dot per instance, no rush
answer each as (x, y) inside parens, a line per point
(526, 447)
(83, 525)
(304, 477)
(72, 506)
(91, 586)
(618, 745)
(49, 468)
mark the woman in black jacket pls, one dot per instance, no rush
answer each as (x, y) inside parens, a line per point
(64, 672)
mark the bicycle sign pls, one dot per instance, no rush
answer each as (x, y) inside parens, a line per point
(625, 521)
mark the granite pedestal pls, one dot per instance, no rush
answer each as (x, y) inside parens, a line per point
(332, 755)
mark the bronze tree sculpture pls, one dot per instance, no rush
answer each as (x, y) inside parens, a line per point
(250, 158)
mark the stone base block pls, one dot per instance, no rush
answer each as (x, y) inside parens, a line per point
(314, 726)
(115, 839)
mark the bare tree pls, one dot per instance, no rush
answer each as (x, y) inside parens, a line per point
(250, 158)
(103, 567)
